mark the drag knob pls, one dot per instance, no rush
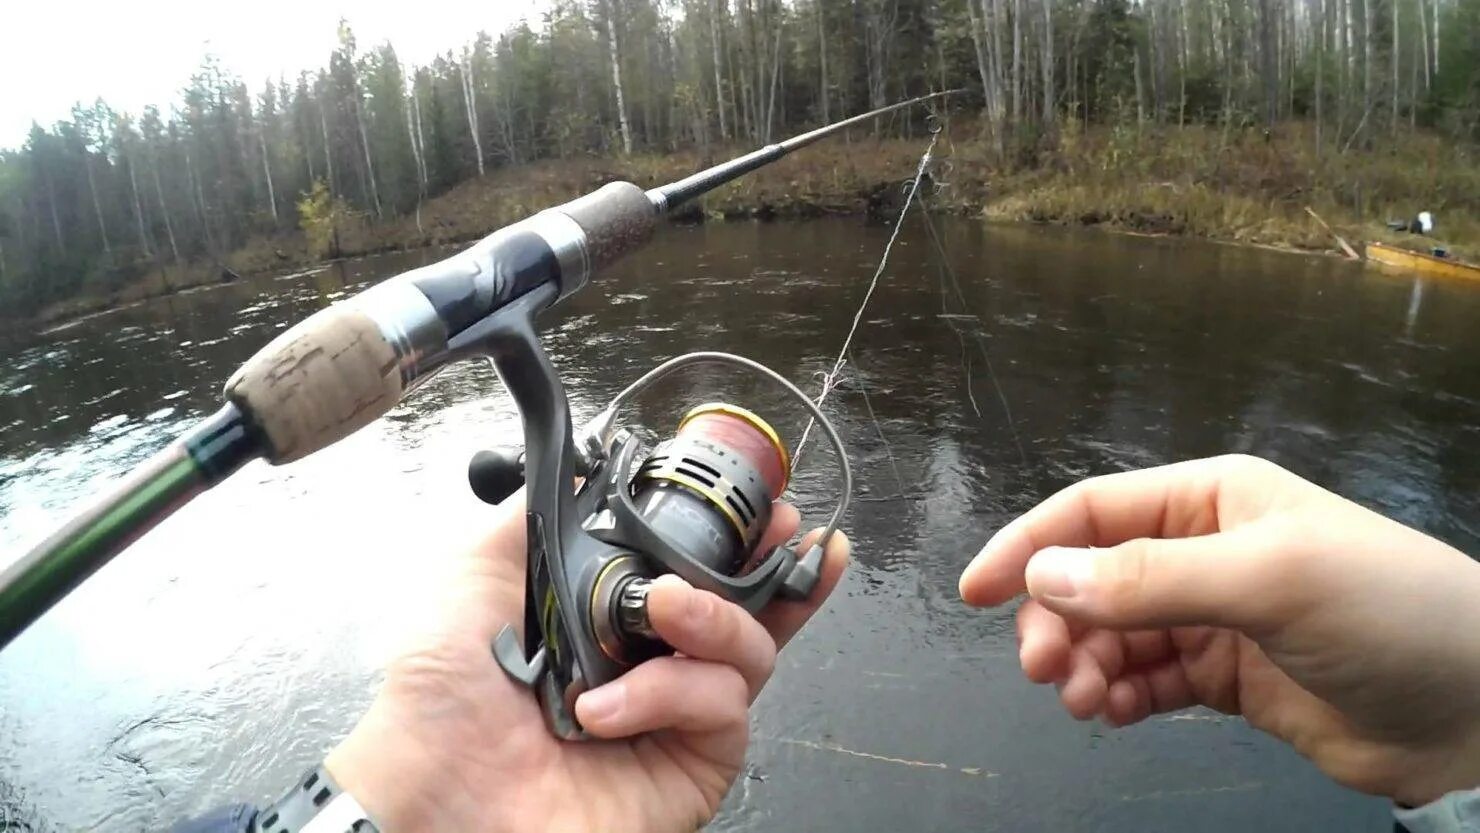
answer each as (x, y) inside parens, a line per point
(632, 612)
(494, 475)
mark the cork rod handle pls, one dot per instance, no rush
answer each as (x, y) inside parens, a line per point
(317, 383)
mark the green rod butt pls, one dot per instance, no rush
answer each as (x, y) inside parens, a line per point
(162, 484)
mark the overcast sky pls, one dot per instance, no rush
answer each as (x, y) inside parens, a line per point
(57, 52)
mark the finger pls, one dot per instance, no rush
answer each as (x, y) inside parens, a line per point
(1169, 688)
(1128, 700)
(784, 522)
(783, 618)
(704, 626)
(678, 693)
(1147, 647)
(1044, 643)
(1107, 649)
(1083, 693)
(1232, 579)
(487, 592)
(506, 532)
(1175, 500)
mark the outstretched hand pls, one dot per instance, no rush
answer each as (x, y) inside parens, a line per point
(1234, 584)
(451, 744)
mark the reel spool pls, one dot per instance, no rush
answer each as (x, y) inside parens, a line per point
(709, 491)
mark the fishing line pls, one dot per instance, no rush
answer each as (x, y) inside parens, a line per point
(830, 378)
(879, 427)
(944, 265)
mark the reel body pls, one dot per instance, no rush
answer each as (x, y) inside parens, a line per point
(695, 505)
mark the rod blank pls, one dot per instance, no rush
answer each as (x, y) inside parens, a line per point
(669, 196)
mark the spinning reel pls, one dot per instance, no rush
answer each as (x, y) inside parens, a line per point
(695, 505)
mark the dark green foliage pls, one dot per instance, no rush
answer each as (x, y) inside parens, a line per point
(90, 202)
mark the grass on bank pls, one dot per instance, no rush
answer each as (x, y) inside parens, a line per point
(1244, 187)
(1237, 186)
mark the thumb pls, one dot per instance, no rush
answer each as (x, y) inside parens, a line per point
(1229, 579)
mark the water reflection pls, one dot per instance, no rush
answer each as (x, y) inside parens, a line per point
(210, 662)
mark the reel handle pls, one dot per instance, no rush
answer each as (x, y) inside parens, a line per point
(495, 475)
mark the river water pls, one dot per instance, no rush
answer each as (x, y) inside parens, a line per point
(226, 651)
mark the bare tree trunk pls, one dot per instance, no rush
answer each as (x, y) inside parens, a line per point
(418, 146)
(267, 174)
(728, 47)
(991, 95)
(1395, 57)
(200, 204)
(822, 53)
(169, 226)
(421, 142)
(740, 75)
(1413, 90)
(1292, 49)
(1423, 24)
(328, 152)
(1154, 59)
(876, 31)
(758, 53)
(133, 181)
(1228, 69)
(92, 186)
(1351, 47)
(1320, 69)
(1183, 67)
(1269, 65)
(613, 46)
(1017, 61)
(365, 145)
(470, 107)
(995, 16)
(1367, 91)
(418, 153)
(1140, 88)
(1343, 48)
(305, 137)
(982, 61)
(51, 200)
(775, 74)
(716, 7)
(1048, 98)
(1436, 37)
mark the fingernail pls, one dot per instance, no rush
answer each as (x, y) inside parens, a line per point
(699, 608)
(964, 582)
(604, 703)
(1060, 573)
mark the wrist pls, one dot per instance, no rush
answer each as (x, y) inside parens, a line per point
(386, 784)
(315, 802)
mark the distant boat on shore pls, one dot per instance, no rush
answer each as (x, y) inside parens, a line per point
(1386, 255)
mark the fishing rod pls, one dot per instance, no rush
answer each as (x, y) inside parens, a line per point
(695, 505)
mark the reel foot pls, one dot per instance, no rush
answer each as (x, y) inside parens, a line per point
(510, 656)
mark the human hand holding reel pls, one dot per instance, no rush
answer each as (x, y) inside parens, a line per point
(696, 506)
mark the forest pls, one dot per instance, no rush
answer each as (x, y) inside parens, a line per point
(94, 202)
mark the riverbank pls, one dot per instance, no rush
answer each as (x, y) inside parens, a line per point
(1236, 186)
(1244, 187)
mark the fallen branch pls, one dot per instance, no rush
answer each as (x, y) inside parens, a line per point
(1350, 252)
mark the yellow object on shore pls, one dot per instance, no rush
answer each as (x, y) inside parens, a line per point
(1417, 261)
